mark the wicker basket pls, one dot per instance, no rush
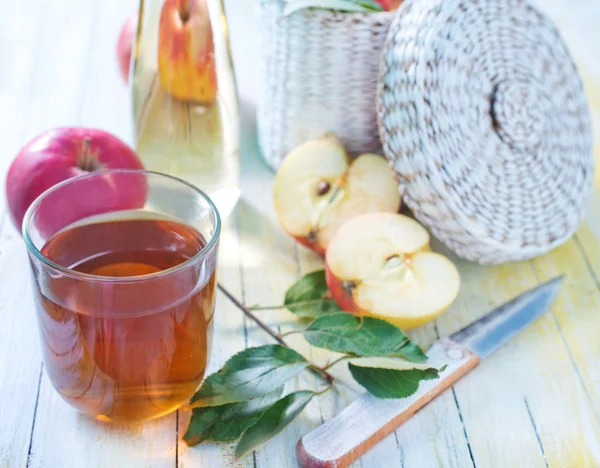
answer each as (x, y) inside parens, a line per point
(319, 75)
(484, 118)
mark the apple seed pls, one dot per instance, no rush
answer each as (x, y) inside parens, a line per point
(323, 187)
(312, 236)
(348, 287)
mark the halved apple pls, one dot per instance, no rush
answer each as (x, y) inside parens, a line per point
(380, 264)
(318, 187)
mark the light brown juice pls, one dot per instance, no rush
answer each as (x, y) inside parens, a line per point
(134, 350)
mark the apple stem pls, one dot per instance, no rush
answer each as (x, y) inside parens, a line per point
(316, 370)
(326, 376)
(257, 307)
(250, 315)
(85, 154)
(329, 385)
(291, 332)
(326, 297)
(86, 160)
(87, 141)
(335, 361)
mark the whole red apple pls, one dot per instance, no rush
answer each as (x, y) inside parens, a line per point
(62, 153)
(125, 44)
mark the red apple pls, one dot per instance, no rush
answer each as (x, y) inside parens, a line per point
(125, 45)
(186, 59)
(318, 187)
(380, 265)
(62, 153)
(389, 5)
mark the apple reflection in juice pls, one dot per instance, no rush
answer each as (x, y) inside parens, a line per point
(68, 362)
(184, 99)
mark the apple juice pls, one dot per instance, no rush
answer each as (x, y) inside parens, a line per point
(184, 98)
(126, 350)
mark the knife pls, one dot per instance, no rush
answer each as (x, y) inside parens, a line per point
(362, 424)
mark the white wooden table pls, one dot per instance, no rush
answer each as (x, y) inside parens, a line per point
(536, 403)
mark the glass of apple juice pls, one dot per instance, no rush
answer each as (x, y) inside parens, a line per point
(123, 265)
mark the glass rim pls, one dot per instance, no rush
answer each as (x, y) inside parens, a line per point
(200, 255)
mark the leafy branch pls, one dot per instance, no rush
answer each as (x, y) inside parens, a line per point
(316, 370)
(245, 399)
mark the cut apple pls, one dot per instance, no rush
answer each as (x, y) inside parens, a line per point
(380, 264)
(318, 188)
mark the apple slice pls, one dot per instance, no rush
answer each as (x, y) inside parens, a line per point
(379, 264)
(318, 187)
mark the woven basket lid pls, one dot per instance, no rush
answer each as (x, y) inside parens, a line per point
(483, 116)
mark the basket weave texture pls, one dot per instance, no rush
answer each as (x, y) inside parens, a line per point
(319, 71)
(484, 117)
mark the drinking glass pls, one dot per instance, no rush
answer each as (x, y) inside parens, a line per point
(123, 265)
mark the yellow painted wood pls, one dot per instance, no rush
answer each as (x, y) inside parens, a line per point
(521, 390)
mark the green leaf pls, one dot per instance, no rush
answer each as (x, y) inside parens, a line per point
(200, 423)
(391, 383)
(309, 296)
(369, 4)
(361, 336)
(240, 416)
(249, 374)
(411, 352)
(273, 421)
(314, 308)
(227, 422)
(339, 5)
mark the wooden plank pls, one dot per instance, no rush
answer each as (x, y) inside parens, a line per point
(64, 438)
(513, 405)
(20, 363)
(64, 90)
(20, 34)
(575, 315)
(228, 339)
(577, 306)
(269, 267)
(346, 390)
(106, 101)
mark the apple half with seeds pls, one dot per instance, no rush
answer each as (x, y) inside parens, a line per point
(380, 265)
(319, 187)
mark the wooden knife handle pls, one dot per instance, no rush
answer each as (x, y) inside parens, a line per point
(361, 425)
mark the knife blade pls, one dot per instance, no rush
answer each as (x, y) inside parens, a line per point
(361, 425)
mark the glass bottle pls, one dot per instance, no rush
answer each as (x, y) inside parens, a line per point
(184, 97)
